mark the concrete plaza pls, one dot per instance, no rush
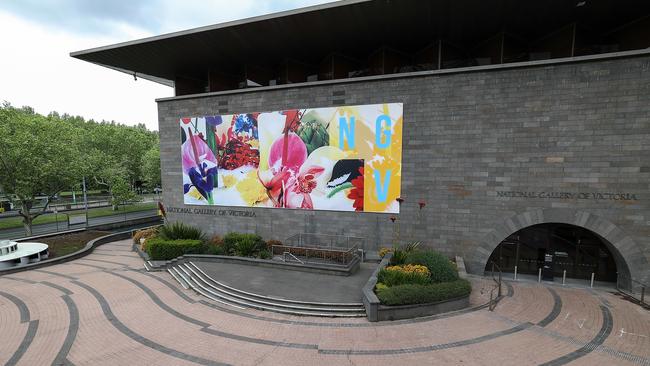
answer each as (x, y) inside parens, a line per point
(104, 309)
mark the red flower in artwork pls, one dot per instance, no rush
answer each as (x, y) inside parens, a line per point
(356, 193)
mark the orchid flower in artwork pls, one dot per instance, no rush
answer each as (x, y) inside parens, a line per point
(200, 164)
(289, 181)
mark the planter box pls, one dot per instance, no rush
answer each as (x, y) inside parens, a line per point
(418, 310)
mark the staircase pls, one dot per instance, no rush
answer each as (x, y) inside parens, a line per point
(191, 276)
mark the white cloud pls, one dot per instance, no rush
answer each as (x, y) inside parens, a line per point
(36, 69)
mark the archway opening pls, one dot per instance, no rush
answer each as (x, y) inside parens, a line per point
(576, 250)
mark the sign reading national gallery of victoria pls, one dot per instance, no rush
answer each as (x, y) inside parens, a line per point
(513, 134)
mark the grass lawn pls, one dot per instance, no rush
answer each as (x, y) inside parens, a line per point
(13, 222)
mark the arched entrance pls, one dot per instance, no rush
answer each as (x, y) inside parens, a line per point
(630, 261)
(574, 249)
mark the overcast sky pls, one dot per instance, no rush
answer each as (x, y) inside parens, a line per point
(38, 35)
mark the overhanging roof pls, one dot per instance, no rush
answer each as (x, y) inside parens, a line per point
(352, 27)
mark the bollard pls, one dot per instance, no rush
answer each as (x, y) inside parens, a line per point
(539, 275)
(592, 279)
(515, 273)
(563, 277)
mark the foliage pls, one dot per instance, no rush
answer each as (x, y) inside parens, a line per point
(151, 166)
(380, 286)
(422, 294)
(243, 244)
(212, 249)
(145, 234)
(383, 251)
(271, 243)
(400, 253)
(264, 254)
(121, 193)
(162, 249)
(34, 161)
(245, 247)
(179, 230)
(43, 155)
(400, 275)
(440, 267)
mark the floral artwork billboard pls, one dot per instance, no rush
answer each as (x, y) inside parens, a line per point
(337, 158)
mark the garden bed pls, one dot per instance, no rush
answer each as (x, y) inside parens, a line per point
(65, 244)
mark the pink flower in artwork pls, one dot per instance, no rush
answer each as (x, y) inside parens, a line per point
(203, 153)
(288, 182)
(299, 188)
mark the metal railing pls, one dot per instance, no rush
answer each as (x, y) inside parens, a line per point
(633, 289)
(497, 285)
(287, 254)
(325, 241)
(316, 255)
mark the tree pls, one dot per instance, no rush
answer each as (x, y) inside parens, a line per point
(151, 167)
(39, 157)
(121, 192)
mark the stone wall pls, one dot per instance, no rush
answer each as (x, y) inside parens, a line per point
(489, 152)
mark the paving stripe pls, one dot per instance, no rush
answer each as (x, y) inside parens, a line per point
(73, 325)
(434, 347)
(555, 312)
(205, 327)
(598, 340)
(31, 329)
(55, 274)
(108, 313)
(24, 310)
(103, 261)
(20, 279)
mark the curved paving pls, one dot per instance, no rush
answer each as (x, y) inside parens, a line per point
(104, 309)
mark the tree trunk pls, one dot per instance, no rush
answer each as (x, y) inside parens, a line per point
(27, 224)
(25, 211)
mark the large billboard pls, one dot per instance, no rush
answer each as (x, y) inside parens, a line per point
(337, 158)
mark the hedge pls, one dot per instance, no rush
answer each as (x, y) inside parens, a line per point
(161, 249)
(441, 268)
(422, 294)
(396, 278)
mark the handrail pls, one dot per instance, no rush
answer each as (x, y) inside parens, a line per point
(284, 258)
(497, 280)
(629, 290)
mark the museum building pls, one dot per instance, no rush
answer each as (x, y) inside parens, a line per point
(501, 131)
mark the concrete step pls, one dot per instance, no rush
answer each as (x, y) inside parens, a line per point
(245, 294)
(206, 286)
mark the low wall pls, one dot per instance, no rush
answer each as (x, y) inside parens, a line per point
(78, 254)
(418, 310)
(370, 300)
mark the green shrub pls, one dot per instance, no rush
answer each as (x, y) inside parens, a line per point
(441, 268)
(243, 244)
(179, 230)
(161, 249)
(246, 247)
(401, 252)
(265, 254)
(422, 294)
(396, 278)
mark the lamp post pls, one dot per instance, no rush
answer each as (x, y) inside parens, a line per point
(85, 200)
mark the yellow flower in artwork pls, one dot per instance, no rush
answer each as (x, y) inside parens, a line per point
(194, 193)
(251, 190)
(229, 181)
